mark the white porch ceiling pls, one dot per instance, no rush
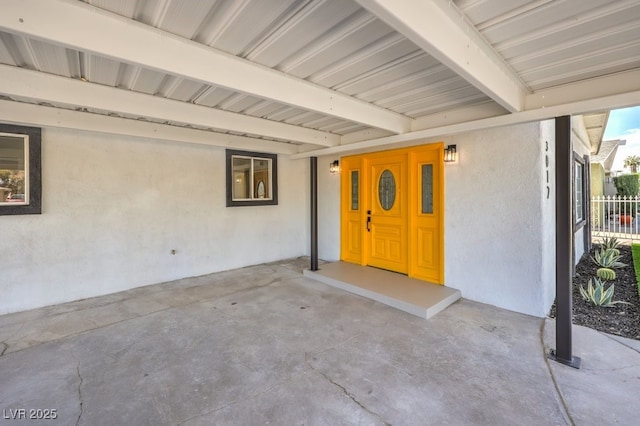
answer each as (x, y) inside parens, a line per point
(315, 76)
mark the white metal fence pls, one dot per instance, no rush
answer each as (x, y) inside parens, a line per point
(615, 217)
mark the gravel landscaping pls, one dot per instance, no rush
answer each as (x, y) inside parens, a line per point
(623, 319)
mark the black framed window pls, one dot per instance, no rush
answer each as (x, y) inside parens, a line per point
(252, 178)
(579, 190)
(20, 170)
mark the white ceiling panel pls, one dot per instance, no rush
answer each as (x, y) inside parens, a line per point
(238, 102)
(100, 70)
(53, 59)
(481, 11)
(452, 99)
(551, 43)
(305, 117)
(343, 42)
(584, 66)
(587, 31)
(339, 63)
(422, 92)
(7, 50)
(236, 25)
(180, 89)
(285, 113)
(322, 123)
(22, 52)
(312, 22)
(382, 52)
(581, 47)
(126, 8)
(389, 73)
(345, 128)
(538, 20)
(147, 81)
(264, 108)
(213, 96)
(184, 17)
(407, 86)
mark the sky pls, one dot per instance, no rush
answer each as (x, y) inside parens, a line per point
(624, 124)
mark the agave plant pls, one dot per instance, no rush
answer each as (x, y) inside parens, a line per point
(598, 295)
(608, 258)
(610, 243)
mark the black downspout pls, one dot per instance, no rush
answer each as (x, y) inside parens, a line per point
(564, 244)
(313, 161)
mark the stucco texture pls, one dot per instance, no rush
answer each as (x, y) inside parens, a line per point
(499, 222)
(498, 218)
(114, 208)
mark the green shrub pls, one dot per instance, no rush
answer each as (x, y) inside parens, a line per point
(597, 295)
(606, 274)
(627, 185)
(608, 258)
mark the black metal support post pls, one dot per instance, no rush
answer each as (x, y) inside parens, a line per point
(564, 243)
(313, 161)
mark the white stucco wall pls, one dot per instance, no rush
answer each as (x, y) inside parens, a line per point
(328, 211)
(114, 208)
(498, 219)
(499, 223)
(548, 278)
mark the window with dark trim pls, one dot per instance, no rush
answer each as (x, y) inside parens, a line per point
(20, 170)
(252, 178)
(579, 192)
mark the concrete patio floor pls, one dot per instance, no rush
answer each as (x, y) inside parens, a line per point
(264, 344)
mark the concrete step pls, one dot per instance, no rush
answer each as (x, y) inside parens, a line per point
(414, 296)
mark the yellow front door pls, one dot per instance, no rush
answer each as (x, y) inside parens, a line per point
(387, 213)
(393, 209)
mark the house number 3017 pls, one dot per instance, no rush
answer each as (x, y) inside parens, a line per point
(546, 164)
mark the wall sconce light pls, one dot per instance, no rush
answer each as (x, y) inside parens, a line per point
(450, 154)
(334, 167)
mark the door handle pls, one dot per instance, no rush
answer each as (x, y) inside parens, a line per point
(368, 220)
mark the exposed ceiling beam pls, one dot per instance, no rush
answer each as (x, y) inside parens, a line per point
(441, 30)
(18, 82)
(622, 100)
(83, 27)
(38, 115)
(459, 115)
(612, 84)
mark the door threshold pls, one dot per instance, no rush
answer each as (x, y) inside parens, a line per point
(410, 295)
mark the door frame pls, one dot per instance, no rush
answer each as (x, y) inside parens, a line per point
(353, 244)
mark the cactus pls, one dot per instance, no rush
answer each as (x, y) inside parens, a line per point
(606, 274)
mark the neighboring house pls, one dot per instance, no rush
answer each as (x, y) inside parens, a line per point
(138, 186)
(601, 163)
(601, 178)
(587, 131)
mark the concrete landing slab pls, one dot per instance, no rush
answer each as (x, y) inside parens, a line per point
(265, 345)
(413, 296)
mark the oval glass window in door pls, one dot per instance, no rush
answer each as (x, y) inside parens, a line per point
(387, 190)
